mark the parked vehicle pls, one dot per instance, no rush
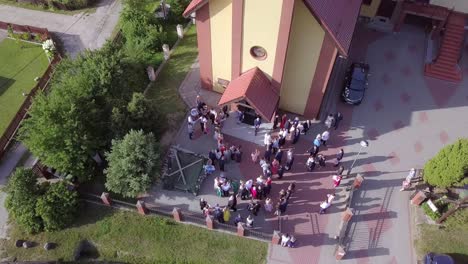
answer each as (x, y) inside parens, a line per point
(355, 83)
(432, 258)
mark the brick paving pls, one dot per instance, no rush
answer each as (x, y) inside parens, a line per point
(406, 117)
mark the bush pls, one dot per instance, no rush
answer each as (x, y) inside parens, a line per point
(140, 113)
(133, 164)
(144, 35)
(449, 167)
(21, 200)
(57, 206)
(73, 4)
(441, 205)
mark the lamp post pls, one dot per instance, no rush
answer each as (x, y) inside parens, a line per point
(364, 144)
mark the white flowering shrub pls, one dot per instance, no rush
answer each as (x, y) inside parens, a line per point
(49, 47)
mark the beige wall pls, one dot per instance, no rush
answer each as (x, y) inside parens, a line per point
(370, 10)
(221, 40)
(304, 48)
(459, 5)
(260, 28)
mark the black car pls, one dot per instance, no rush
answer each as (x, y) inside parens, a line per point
(432, 258)
(355, 83)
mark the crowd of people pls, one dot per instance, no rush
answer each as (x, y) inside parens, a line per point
(274, 161)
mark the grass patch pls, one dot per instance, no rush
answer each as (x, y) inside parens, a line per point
(164, 92)
(20, 64)
(131, 238)
(451, 240)
(89, 10)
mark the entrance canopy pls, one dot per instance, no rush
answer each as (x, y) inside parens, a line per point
(255, 88)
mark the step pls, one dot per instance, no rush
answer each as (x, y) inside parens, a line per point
(446, 72)
(446, 60)
(444, 64)
(452, 76)
(448, 55)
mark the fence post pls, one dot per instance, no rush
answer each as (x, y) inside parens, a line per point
(209, 222)
(347, 214)
(166, 51)
(177, 214)
(192, 16)
(340, 253)
(275, 240)
(358, 181)
(418, 198)
(240, 229)
(141, 207)
(180, 31)
(105, 197)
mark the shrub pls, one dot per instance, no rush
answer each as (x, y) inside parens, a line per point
(441, 205)
(21, 200)
(25, 36)
(133, 164)
(140, 113)
(57, 206)
(449, 167)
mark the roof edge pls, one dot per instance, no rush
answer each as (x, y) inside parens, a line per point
(193, 6)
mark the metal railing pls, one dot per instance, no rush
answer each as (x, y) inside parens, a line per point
(187, 216)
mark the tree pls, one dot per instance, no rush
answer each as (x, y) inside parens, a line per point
(70, 125)
(133, 164)
(21, 200)
(449, 167)
(57, 206)
(177, 9)
(140, 113)
(143, 33)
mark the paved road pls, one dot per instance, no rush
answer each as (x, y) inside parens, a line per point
(78, 32)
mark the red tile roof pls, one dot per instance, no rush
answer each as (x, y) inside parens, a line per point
(193, 6)
(254, 87)
(338, 17)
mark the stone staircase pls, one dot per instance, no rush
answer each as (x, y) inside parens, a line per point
(445, 66)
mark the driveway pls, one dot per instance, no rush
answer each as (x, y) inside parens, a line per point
(77, 32)
(407, 118)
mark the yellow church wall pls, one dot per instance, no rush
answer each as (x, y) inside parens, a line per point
(370, 10)
(260, 28)
(221, 41)
(301, 59)
(457, 5)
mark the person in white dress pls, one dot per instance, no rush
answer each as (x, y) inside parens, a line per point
(325, 137)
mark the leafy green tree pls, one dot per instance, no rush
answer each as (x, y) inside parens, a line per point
(57, 206)
(143, 33)
(69, 125)
(140, 113)
(21, 200)
(133, 164)
(177, 9)
(449, 167)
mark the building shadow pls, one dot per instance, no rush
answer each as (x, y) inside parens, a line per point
(5, 83)
(70, 43)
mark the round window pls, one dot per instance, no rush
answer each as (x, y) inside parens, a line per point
(258, 52)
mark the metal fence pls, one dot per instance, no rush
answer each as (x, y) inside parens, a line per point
(22, 113)
(10, 132)
(187, 217)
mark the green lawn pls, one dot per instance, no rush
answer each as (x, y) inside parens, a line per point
(164, 92)
(19, 65)
(451, 240)
(131, 238)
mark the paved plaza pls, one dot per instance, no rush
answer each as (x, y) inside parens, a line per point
(406, 118)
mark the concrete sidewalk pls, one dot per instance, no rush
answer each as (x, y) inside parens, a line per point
(77, 32)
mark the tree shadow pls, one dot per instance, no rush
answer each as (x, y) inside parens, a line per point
(5, 83)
